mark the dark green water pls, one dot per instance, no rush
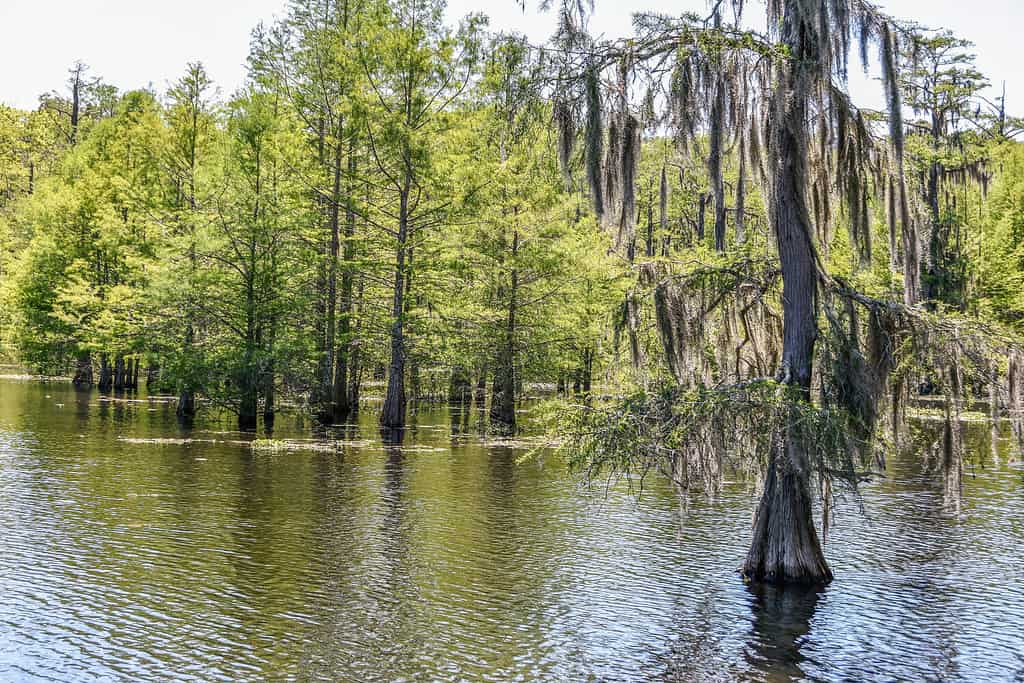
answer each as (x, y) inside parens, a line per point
(192, 558)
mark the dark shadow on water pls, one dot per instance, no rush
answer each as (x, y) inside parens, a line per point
(781, 619)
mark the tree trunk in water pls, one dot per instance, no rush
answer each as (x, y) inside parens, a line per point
(186, 409)
(503, 398)
(119, 374)
(83, 371)
(106, 374)
(785, 546)
(355, 367)
(480, 395)
(716, 142)
(460, 387)
(326, 408)
(342, 396)
(392, 416)
(248, 404)
(503, 403)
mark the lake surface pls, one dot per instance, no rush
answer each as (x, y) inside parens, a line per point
(132, 550)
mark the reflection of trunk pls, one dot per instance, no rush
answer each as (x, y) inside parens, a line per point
(1015, 391)
(785, 546)
(952, 445)
(393, 414)
(782, 618)
(503, 403)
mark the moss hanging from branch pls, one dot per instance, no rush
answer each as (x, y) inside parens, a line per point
(594, 139)
(566, 130)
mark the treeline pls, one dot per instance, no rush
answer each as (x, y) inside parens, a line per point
(761, 273)
(457, 214)
(381, 201)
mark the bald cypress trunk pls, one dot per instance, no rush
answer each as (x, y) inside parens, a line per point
(325, 395)
(341, 400)
(741, 194)
(83, 370)
(785, 546)
(503, 404)
(701, 218)
(393, 413)
(716, 142)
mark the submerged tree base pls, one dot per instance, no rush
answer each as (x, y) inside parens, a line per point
(785, 548)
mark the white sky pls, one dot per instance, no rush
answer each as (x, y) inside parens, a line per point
(137, 43)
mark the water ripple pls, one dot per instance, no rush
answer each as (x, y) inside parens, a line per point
(130, 550)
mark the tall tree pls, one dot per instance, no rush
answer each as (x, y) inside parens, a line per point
(416, 69)
(192, 129)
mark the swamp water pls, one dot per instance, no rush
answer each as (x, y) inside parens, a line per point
(132, 550)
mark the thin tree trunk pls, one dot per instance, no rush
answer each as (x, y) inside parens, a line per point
(393, 413)
(106, 374)
(503, 402)
(702, 218)
(480, 395)
(716, 142)
(355, 358)
(741, 194)
(342, 405)
(326, 394)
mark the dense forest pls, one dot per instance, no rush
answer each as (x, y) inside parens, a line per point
(693, 235)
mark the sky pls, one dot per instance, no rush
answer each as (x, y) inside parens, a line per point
(143, 43)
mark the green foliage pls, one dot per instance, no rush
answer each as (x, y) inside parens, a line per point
(700, 435)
